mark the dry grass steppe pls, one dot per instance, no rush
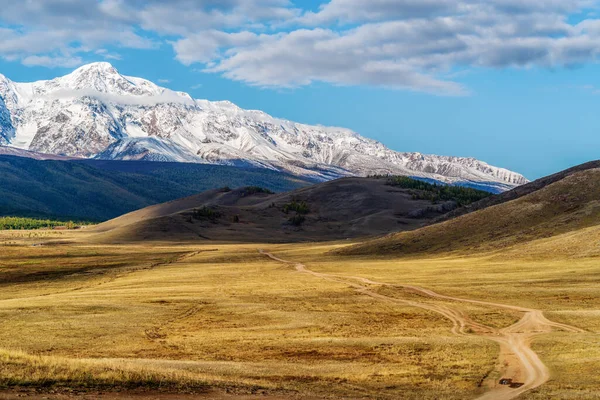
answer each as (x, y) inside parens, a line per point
(222, 318)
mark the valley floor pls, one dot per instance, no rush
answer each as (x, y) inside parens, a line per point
(290, 321)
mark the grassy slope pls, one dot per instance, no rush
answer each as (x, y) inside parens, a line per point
(566, 205)
(81, 190)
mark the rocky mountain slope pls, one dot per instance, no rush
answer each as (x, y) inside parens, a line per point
(95, 112)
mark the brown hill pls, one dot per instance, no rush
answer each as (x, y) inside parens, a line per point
(519, 191)
(340, 209)
(563, 203)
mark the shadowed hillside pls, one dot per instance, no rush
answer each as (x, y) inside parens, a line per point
(345, 208)
(100, 190)
(563, 203)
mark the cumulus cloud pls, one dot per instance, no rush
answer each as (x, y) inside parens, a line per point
(52, 61)
(108, 55)
(349, 11)
(206, 46)
(183, 17)
(306, 56)
(402, 44)
(57, 32)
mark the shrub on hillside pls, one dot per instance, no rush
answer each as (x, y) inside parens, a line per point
(206, 213)
(437, 192)
(300, 207)
(297, 219)
(250, 190)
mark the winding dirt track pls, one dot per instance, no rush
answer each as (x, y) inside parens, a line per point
(517, 360)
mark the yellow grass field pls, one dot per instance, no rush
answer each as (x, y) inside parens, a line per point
(225, 318)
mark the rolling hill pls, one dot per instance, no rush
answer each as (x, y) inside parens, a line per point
(99, 190)
(340, 209)
(562, 204)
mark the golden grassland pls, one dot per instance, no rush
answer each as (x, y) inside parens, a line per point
(183, 317)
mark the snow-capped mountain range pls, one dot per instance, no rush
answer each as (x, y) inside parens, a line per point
(95, 112)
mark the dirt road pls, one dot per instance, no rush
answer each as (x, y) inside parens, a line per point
(517, 363)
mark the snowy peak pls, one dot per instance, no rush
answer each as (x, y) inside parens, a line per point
(102, 77)
(99, 77)
(97, 112)
(101, 67)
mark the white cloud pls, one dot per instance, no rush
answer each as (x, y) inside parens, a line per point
(417, 45)
(405, 44)
(184, 17)
(52, 62)
(108, 55)
(203, 47)
(350, 11)
(306, 56)
(36, 30)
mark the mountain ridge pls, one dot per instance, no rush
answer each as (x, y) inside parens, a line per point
(95, 112)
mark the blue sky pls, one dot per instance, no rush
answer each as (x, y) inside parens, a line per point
(512, 82)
